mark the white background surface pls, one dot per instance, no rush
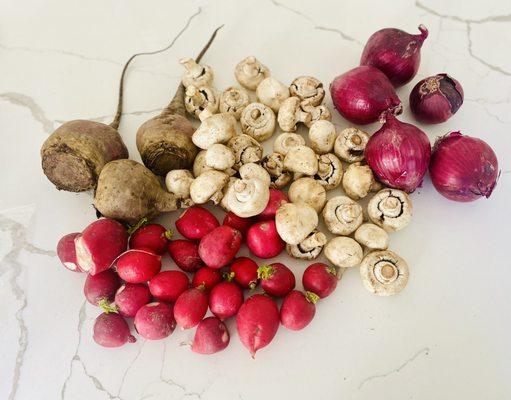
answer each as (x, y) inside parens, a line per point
(446, 336)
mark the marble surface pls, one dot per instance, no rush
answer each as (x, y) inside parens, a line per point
(445, 336)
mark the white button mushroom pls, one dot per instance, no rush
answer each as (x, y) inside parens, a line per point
(223, 202)
(319, 113)
(308, 89)
(350, 145)
(219, 157)
(309, 191)
(208, 186)
(342, 215)
(343, 252)
(322, 136)
(250, 73)
(290, 114)
(196, 74)
(391, 209)
(357, 181)
(247, 197)
(246, 150)
(178, 182)
(384, 273)
(295, 221)
(285, 141)
(199, 164)
(372, 236)
(329, 171)
(233, 100)
(216, 128)
(301, 159)
(258, 121)
(272, 93)
(274, 164)
(198, 99)
(309, 248)
(253, 170)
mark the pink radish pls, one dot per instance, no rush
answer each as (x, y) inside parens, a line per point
(239, 223)
(264, 241)
(111, 330)
(153, 237)
(130, 297)
(100, 289)
(257, 322)
(244, 272)
(185, 254)
(137, 266)
(206, 278)
(320, 279)
(155, 321)
(276, 279)
(225, 299)
(168, 285)
(277, 198)
(100, 244)
(219, 246)
(196, 222)
(190, 307)
(211, 336)
(298, 309)
(67, 252)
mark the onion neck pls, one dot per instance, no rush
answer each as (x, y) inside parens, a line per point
(423, 34)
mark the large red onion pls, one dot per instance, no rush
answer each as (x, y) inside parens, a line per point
(396, 53)
(399, 154)
(463, 168)
(363, 94)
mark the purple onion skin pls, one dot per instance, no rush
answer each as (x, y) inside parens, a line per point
(363, 94)
(463, 168)
(396, 53)
(436, 99)
(398, 154)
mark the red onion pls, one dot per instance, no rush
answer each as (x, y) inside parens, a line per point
(396, 53)
(363, 94)
(463, 168)
(436, 98)
(399, 154)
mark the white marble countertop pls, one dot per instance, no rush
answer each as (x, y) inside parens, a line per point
(446, 336)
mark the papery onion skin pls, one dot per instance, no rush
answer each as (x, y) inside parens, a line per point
(395, 52)
(363, 94)
(436, 99)
(399, 153)
(463, 168)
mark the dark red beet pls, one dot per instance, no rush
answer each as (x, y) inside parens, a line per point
(137, 266)
(155, 321)
(298, 310)
(244, 272)
(264, 241)
(153, 237)
(239, 223)
(219, 246)
(196, 222)
(320, 279)
(168, 285)
(206, 278)
(100, 289)
(66, 252)
(225, 299)
(111, 330)
(130, 297)
(211, 336)
(277, 198)
(185, 254)
(276, 279)
(190, 307)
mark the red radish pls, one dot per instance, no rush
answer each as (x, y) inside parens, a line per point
(219, 246)
(155, 321)
(111, 330)
(244, 272)
(277, 198)
(264, 241)
(190, 307)
(100, 289)
(100, 244)
(239, 223)
(320, 279)
(66, 251)
(130, 297)
(185, 254)
(276, 279)
(168, 285)
(153, 237)
(298, 310)
(257, 322)
(206, 278)
(196, 222)
(225, 299)
(137, 266)
(210, 337)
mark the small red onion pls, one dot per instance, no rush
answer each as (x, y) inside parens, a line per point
(463, 168)
(398, 153)
(396, 53)
(436, 98)
(363, 94)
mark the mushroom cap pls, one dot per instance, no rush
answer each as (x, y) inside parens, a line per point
(308, 89)
(247, 197)
(287, 140)
(322, 136)
(344, 252)
(372, 236)
(198, 99)
(309, 248)
(258, 121)
(233, 101)
(357, 181)
(301, 159)
(390, 209)
(319, 113)
(219, 156)
(384, 273)
(274, 164)
(223, 201)
(196, 74)
(199, 164)
(250, 73)
(178, 181)
(342, 215)
(246, 149)
(309, 191)
(290, 113)
(350, 145)
(295, 221)
(253, 170)
(329, 171)
(208, 186)
(217, 128)
(272, 92)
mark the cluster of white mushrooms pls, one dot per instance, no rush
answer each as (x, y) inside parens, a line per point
(231, 170)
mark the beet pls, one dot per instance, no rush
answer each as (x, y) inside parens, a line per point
(152, 237)
(130, 297)
(190, 307)
(111, 330)
(155, 321)
(219, 246)
(137, 266)
(244, 272)
(297, 310)
(276, 279)
(225, 299)
(206, 278)
(185, 254)
(168, 285)
(196, 222)
(100, 289)
(320, 279)
(210, 337)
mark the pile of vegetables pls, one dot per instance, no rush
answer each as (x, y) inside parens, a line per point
(222, 162)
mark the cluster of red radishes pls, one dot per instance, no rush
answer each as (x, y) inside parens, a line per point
(130, 283)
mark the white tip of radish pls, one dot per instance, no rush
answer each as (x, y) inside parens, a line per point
(225, 337)
(83, 256)
(70, 266)
(154, 304)
(120, 289)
